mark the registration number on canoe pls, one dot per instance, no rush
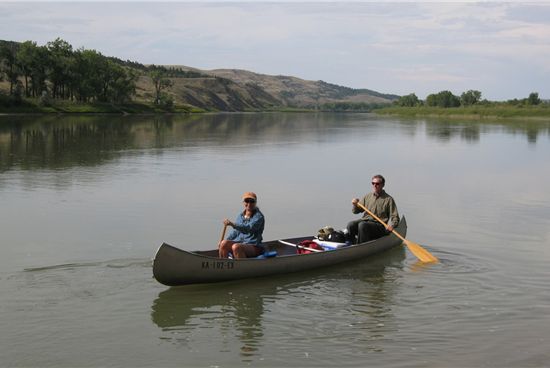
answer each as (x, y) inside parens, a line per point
(217, 265)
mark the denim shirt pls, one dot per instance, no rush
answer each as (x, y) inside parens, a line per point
(248, 231)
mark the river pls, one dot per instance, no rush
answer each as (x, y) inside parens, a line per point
(86, 201)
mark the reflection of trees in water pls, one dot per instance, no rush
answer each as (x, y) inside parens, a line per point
(470, 131)
(66, 141)
(446, 130)
(365, 287)
(532, 135)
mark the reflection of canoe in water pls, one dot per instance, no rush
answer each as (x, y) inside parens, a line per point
(173, 266)
(176, 308)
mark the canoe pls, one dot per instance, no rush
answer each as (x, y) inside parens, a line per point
(173, 266)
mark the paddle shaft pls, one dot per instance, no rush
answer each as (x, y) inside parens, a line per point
(379, 220)
(300, 246)
(223, 232)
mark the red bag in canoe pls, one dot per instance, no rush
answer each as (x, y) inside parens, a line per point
(300, 249)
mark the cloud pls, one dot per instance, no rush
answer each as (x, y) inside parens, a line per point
(385, 46)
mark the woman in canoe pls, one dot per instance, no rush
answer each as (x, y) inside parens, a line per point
(245, 240)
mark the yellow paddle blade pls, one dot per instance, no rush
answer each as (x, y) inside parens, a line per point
(421, 253)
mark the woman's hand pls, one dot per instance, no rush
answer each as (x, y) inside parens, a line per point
(226, 222)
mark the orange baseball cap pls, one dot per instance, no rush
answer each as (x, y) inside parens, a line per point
(250, 195)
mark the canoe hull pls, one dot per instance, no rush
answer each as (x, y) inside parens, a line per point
(173, 266)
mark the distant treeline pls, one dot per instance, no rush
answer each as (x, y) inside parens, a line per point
(351, 106)
(342, 92)
(57, 71)
(447, 99)
(170, 72)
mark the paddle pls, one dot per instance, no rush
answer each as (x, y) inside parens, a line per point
(300, 246)
(223, 232)
(420, 253)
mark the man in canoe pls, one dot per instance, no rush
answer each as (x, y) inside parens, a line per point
(246, 237)
(382, 205)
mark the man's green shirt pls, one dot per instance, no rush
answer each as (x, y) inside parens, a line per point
(382, 206)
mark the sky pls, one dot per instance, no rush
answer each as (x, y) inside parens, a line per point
(501, 49)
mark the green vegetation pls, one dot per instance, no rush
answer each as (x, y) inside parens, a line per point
(57, 78)
(351, 106)
(498, 111)
(34, 105)
(57, 71)
(443, 99)
(342, 92)
(468, 104)
(408, 101)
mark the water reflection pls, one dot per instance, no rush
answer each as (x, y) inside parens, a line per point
(64, 141)
(470, 130)
(189, 315)
(227, 307)
(60, 142)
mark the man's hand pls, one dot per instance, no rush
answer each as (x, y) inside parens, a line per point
(354, 201)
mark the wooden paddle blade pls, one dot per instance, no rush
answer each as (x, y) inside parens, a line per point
(421, 253)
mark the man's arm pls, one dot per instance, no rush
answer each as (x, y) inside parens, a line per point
(394, 214)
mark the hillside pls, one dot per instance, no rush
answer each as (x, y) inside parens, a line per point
(239, 90)
(209, 93)
(85, 77)
(298, 92)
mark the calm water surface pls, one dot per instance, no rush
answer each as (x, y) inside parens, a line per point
(86, 201)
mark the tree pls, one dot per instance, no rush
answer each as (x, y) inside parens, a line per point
(533, 99)
(24, 59)
(408, 100)
(121, 85)
(60, 53)
(86, 70)
(97, 78)
(8, 64)
(39, 71)
(166, 101)
(470, 97)
(443, 99)
(32, 61)
(160, 82)
(84, 75)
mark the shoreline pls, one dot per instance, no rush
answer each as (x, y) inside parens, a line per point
(478, 113)
(430, 116)
(540, 112)
(466, 116)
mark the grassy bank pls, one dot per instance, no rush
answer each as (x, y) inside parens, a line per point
(481, 111)
(30, 106)
(33, 106)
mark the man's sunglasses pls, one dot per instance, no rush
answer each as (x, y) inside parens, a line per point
(249, 200)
